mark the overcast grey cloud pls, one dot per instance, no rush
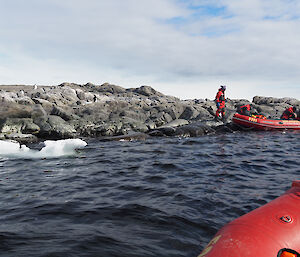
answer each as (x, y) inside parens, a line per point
(183, 48)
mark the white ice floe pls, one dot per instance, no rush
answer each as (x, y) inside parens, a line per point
(52, 149)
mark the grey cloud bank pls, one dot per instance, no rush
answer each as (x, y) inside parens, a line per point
(174, 46)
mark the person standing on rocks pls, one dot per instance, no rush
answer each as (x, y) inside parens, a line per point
(220, 102)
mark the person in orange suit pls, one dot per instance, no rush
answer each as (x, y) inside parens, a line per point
(244, 109)
(220, 102)
(289, 114)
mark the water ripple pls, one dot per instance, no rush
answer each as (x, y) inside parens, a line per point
(160, 197)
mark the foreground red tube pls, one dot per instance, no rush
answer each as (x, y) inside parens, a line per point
(262, 232)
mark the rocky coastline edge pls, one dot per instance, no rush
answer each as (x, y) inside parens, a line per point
(110, 112)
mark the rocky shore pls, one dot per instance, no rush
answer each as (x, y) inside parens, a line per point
(68, 110)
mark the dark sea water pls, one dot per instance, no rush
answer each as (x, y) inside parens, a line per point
(159, 197)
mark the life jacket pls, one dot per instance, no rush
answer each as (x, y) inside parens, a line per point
(244, 109)
(259, 116)
(220, 97)
(288, 113)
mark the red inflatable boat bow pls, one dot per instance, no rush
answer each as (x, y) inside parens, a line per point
(259, 122)
(272, 230)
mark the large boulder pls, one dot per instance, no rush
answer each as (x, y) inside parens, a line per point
(8, 97)
(25, 100)
(105, 129)
(175, 123)
(46, 105)
(60, 128)
(109, 88)
(38, 113)
(65, 114)
(266, 110)
(147, 91)
(129, 124)
(161, 118)
(67, 84)
(272, 100)
(54, 127)
(21, 138)
(194, 130)
(86, 96)
(133, 114)
(80, 94)
(69, 94)
(189, 113)
(18, 125)
(203, 114)
(14, 110)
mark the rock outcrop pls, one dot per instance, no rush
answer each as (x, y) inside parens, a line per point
(73, 110)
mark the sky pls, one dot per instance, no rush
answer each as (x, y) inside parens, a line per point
(184, 48)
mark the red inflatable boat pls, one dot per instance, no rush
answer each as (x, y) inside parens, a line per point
(263, 123)
(272, 230)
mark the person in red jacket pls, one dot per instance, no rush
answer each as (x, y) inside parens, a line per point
(289, 114)
(220, 102)
(244, 109)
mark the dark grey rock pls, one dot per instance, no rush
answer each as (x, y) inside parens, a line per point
(64, 114)
(55, 128)
(19, 126)
(147, 91)
(161, 118)
(109, 88)
(175, 123)
(194, 130)
(14, 110)
(21, 138)
(133, 114)
(189, 113)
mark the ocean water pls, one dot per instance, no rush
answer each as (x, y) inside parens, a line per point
(159, 197)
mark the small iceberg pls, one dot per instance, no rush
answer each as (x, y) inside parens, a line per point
(52, 149)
